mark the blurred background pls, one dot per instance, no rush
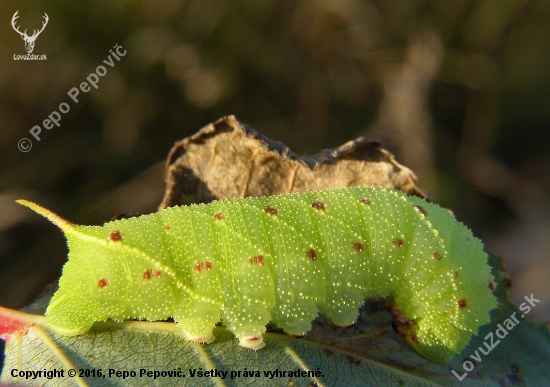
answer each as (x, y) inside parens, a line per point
(459, 90)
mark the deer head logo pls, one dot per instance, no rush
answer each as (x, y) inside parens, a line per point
(29, 40)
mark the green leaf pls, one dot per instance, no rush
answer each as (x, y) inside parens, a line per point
(131, 349)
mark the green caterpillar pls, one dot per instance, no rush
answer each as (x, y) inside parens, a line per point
(283, 259)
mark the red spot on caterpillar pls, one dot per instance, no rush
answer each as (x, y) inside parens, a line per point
(167, 227)
(413, 337)
(456, 274)
(397, 242)
(357, 246)
(311, 254)
(319, 206)
(365, 201)
(149, 273)
(462, 303)
(422, 210)
(199, 266)
(104, 282)
(115, 236)
(257, 260)
(270, 210)
(437, 256)
(252, 339)
(219, 216)
(491, 285)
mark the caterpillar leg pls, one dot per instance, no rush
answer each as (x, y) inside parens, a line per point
(70, 316)
(295, 318)
(343, 309)
(248, 324)
(198, 320)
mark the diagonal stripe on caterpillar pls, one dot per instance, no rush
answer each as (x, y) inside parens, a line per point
(283, 259)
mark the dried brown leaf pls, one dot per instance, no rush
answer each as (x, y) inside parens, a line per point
(229, 159)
